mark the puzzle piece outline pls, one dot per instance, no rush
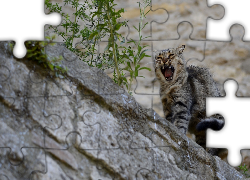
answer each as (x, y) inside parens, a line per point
(89, 125)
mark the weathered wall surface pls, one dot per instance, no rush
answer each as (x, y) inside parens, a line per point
(75, 127)
(224, 59)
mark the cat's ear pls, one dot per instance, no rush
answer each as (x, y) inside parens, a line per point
(181, 49)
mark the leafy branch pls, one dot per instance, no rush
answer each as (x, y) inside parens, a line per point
(244, 169)
(101, 19)
(133, 60)
(36, 52)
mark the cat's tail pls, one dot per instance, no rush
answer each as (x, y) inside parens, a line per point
(215, 122)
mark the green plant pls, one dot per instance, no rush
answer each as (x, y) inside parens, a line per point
(244, 169)
(133, 57)
(36, 52)
(110, 25)
(101, 20)
(89, 35)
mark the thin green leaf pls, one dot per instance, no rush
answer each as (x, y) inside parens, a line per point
(144, 25)
(117, 27)
(134, 60)
(93, 35)
(145, 68)
(47, 37)
(136, 70)
(128, 63)
(147, 13)
(139, 49)
(135, 28)
(141, 56)
(51, 66)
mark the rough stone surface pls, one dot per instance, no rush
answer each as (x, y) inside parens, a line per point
(88, 132)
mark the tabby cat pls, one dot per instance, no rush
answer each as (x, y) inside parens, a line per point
(183, 92)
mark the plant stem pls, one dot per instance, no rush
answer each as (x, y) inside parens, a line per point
(92, 54)
(130, 84)
(93, 49)
(113, 45)
(74, 22)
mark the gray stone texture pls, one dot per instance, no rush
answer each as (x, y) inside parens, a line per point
(84, 126)
(79, 130)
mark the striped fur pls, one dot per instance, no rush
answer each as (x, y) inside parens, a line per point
(184, 96)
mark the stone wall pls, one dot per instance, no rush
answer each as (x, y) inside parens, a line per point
(224, 59)
(83, 126)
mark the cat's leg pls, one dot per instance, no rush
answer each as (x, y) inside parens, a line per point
(180, 115)
(200, 138)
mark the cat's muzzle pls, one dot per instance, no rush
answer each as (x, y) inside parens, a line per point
(168, 72)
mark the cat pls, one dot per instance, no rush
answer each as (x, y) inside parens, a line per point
(183, 92)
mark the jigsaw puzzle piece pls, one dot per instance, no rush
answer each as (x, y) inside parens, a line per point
(34, 83)
(66, 156)
(32, 163)
(22, 106)
(80, 96)
(187, 160)
(61, 116)
(156, 162)
(95, 128)
(102, 85)
(101, 57)
(31, 29)
(79, 160)
(194, 49)
(44, 84)
(132, 14)
(47, 82)
(158, 136)
(19, 116)
(232, 108)
(85, 77)
(228, 59)
(68, 11)
(119, 159)
(23, 139)
(10, 70)
(53, 170)
(67, 122)
(178, 11)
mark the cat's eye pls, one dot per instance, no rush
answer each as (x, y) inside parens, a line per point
(158, 57)
(171, 56)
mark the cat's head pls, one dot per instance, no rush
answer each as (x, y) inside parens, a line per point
(171, 62)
